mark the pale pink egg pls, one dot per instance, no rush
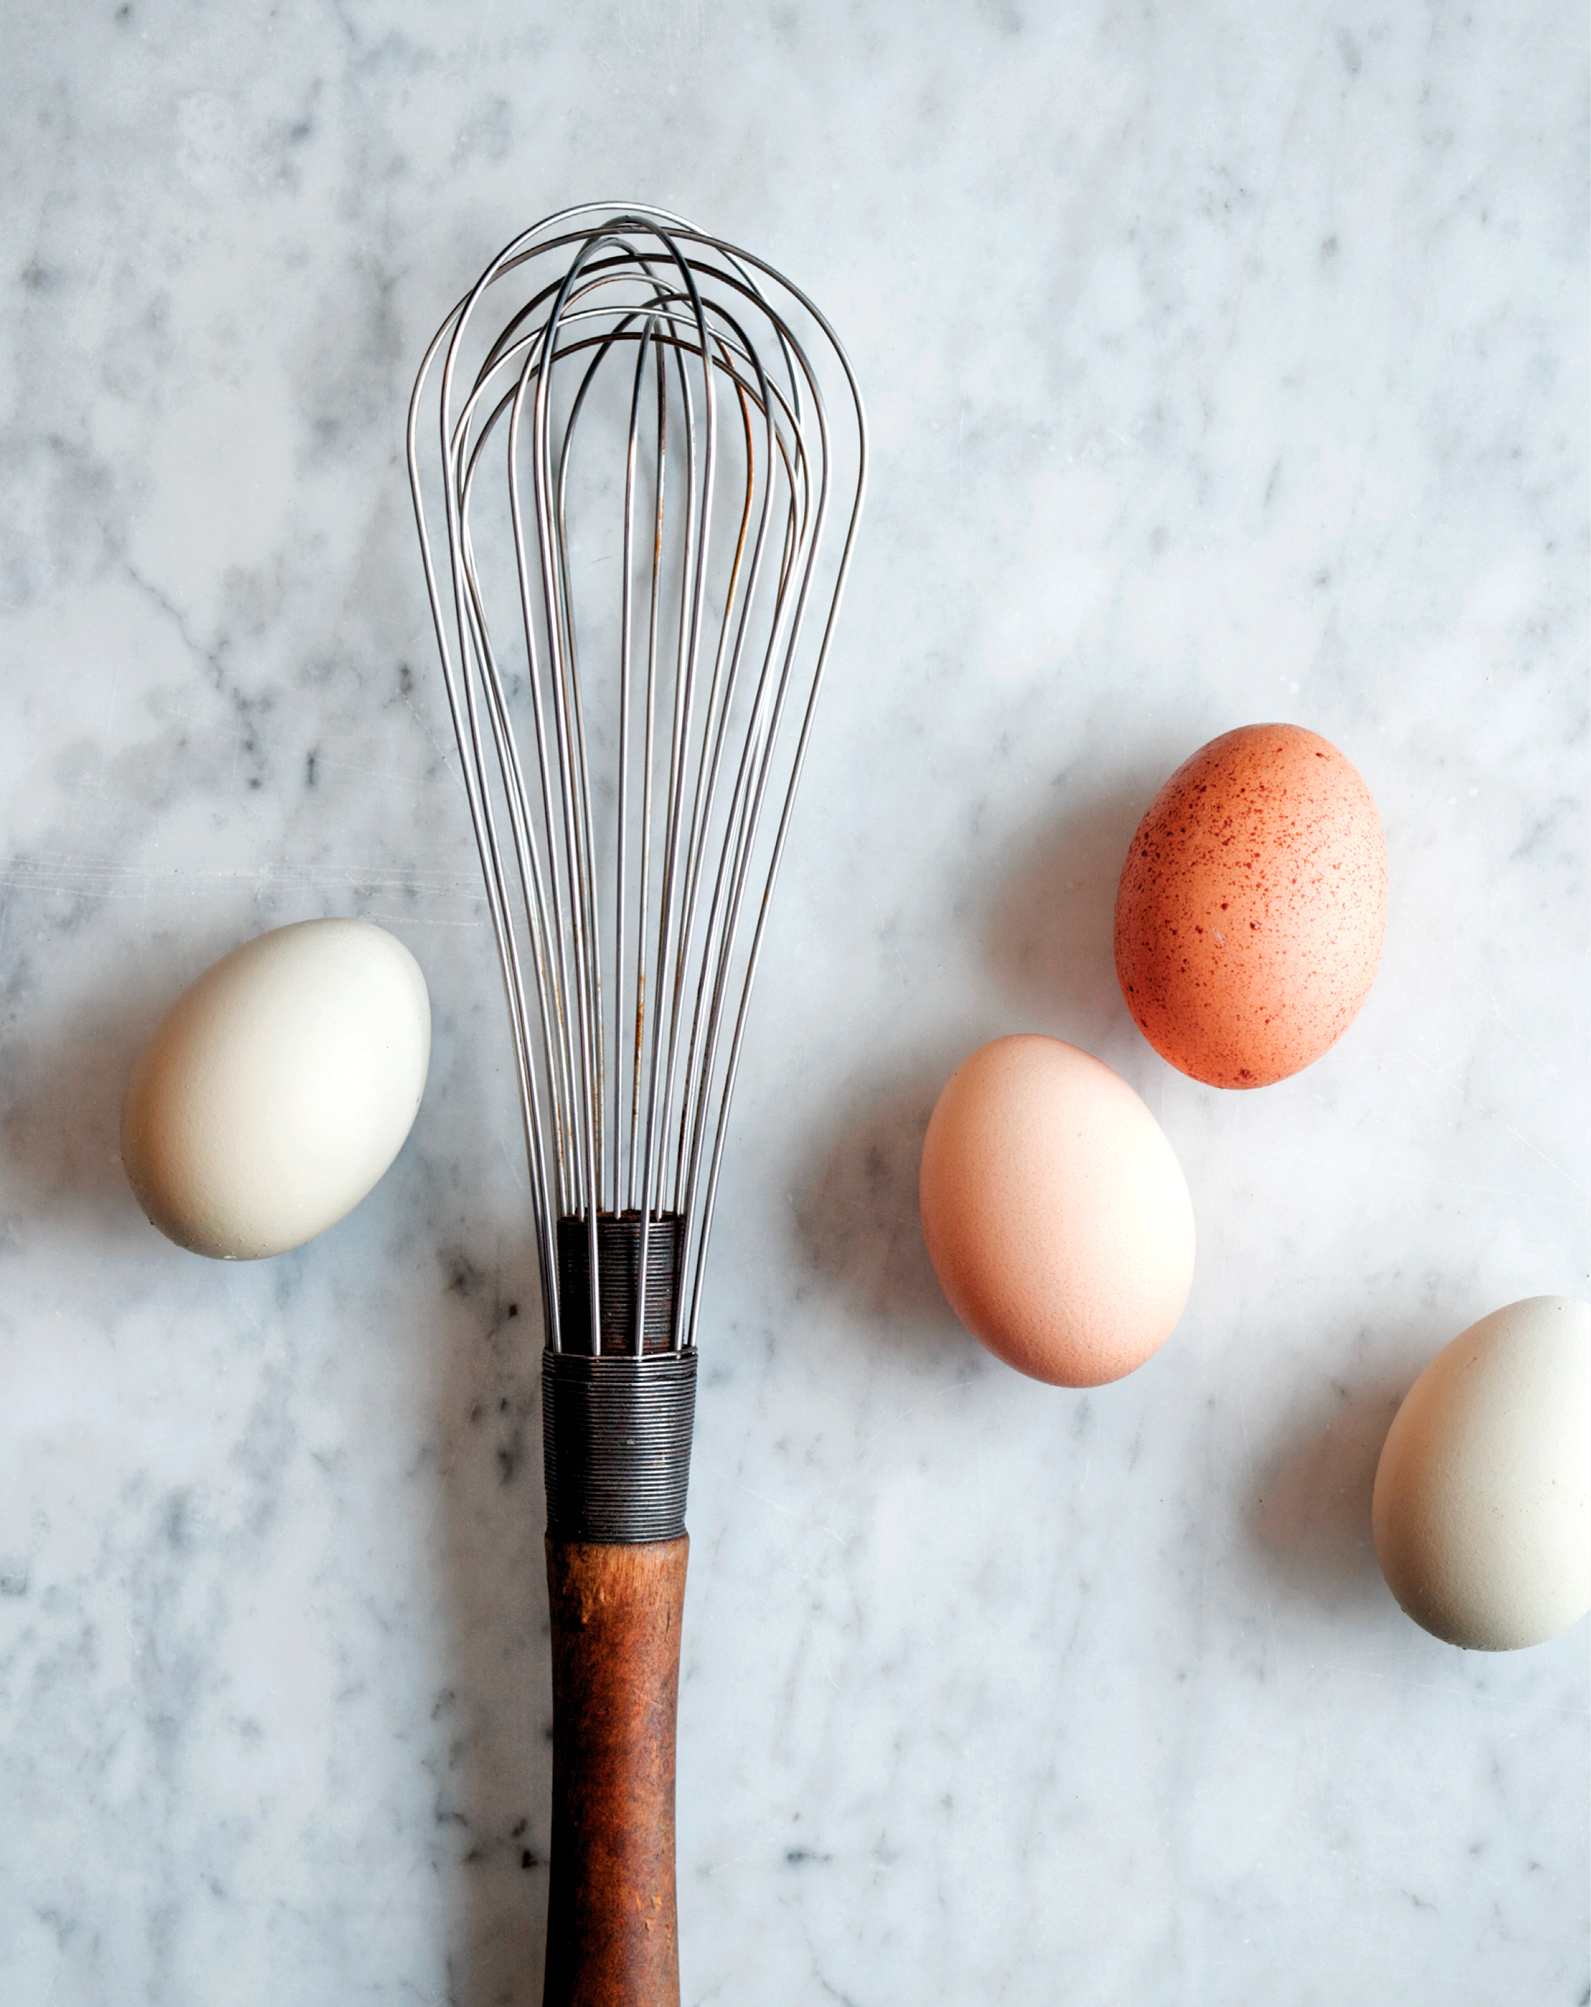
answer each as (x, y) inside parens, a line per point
(1055, 1212)
(1252, 906)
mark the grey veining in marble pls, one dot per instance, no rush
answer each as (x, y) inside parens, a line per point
(1224, 363)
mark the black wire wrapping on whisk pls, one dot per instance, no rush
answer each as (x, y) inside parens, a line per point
(630, 849)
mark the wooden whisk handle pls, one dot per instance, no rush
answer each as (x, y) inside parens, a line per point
(612, 1930)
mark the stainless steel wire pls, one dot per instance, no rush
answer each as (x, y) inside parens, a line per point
(630, 850)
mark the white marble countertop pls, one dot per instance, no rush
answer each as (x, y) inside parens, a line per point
(1224, 363)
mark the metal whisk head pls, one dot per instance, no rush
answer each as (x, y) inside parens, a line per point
(651, 461)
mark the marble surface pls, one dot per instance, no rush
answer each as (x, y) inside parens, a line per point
(1224, 363)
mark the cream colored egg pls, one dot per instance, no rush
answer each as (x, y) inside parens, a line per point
(1055, 1212)
(1482, 1508)
(278, 1088)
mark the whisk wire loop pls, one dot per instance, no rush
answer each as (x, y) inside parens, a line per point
(627, 866)
(462, 710)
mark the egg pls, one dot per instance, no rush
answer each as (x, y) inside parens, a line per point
(278, 1088)
(1056, 1214)
(1482, 1504)
(1252, 907)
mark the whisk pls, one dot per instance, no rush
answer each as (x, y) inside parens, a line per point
(632, 637)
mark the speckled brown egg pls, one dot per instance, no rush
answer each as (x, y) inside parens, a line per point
(1252, 907)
